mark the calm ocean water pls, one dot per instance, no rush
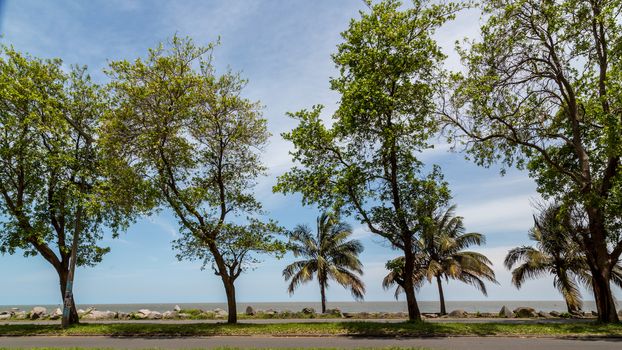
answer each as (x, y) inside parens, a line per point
(366, 306)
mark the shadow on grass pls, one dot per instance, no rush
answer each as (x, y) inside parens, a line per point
(355, 329)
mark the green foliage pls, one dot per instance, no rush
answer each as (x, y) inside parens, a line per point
(51, 164)
(192, 143)
(542, 92)
(328, 254)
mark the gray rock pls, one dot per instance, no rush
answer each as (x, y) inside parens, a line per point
(123, 315)
(20, 315)
(555, 313)
(154, 315)
(348, 315)
(144, 311)
(250, 311)
(308, 310)
(177, 308)
(458, 314)
(430, 315)
(5, 316)
(505, 312)
(169, 315)
(220, 313)
(58, 313)
(525, 312)
(334, 312)
(183, 315)
(5, 313)
(544, 314)
(37, 312)
(100, 315)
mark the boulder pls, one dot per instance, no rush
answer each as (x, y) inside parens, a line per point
(348, 315)
(5, 316)
(505, 312)
(154, 315)
(220, 313)
(183, 315)
(308, 310)
(100, 315)
(250, 311)
(37, 312)
(525, 312)
(555, 313)
(334, 312)
(544, 314)
(169, 315)
(427, 315)
(123, 315)
(20, 315)
(177, 308)
(58, 313)
(458, 314)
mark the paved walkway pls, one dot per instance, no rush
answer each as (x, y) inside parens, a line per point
(457, 343)
(325, 320)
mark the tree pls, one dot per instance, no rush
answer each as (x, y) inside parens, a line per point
(557, 252)
(193, 142)
(441, 255)
(366, 162)
(328, 254)
(542, 92)
(53, 196)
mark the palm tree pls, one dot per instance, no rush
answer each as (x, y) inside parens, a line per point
(556, 253)
(329, 254)
(441, 256)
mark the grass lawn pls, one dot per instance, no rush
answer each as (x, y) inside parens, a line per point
(228, 348)
(373, 329)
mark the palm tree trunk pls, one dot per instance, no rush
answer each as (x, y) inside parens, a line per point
(441, 295)
(323, 294)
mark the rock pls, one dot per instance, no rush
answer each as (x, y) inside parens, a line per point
(139, 316)
(308, 310)
(169, 315)
(271, 312)
(154, 315)
(183, 316)
(20, 315)
(144, 311)
(5, 316)
(430, 315)
(555, 313)
(505, 312)
(595, 313)
(544, 314)
(220, 313)
(348, 315)
(334, 312)
(250, 311)
(37, 312)
(5, 313)
(100, 315)
(123, 315)
(58, 313)
(458, 314)
(177, 308)
(525, 312)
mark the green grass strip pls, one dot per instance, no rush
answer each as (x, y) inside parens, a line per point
(374, 329)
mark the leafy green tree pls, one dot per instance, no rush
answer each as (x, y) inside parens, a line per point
(51, 185)
(542, 92)
(329, 254)
(366, 161)
(193, 142)
(442, 254)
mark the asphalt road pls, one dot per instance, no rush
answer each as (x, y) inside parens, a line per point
(457, 343)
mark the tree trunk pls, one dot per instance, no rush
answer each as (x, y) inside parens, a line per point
(441, 295)
(232, 308)
(323, 293)
(73, 317)
(409, 288)
(598, 259)
(604, 299)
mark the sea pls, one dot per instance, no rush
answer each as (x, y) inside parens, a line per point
(344, 306)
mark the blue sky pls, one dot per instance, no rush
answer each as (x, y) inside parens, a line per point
(283, 47)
